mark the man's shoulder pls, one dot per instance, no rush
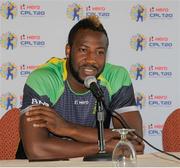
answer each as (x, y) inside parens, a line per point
(112, 72)
(48, 78)
(53, 68)
(114, 77)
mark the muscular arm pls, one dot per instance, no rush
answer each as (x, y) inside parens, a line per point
(133, 119)
(39, 121)
(39, 145)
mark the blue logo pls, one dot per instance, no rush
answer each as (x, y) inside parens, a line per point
(138, 42)
(8, 10)
(8, 101)
(74, 12)
(8, 41)
(138, 13)
(8, 71)
(137, 71)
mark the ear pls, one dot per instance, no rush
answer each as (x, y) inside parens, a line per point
(68, 50)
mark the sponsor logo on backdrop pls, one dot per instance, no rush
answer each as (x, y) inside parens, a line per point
(100, 11)
(8, 10)
(159, 101)
(138, 71)
(140, 100)
(31, 10)
(31, 40)
(160, 13)
(76, 12)
(8, 101)
(8, 71)
(160, 42)
(154, 129)
(153, 100)
(138, 42)
(138, 13)
(25, 70)
(159, 72)
(8, 40)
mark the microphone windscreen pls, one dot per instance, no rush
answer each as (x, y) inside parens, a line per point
(88, 80)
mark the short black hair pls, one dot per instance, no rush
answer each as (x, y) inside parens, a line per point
(92, 22)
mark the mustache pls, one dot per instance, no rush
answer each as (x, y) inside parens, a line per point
(89, 66)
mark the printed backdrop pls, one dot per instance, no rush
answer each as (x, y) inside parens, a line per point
(143, 36)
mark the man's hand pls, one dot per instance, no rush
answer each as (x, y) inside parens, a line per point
(137, 143)
(46, 117)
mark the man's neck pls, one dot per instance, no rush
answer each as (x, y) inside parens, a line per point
(75, 85)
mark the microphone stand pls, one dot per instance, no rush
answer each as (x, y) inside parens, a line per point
(102, 155)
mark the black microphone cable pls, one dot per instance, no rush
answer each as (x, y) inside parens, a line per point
(125, 125)
(136, 134)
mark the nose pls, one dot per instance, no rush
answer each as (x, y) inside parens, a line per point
(91, 58)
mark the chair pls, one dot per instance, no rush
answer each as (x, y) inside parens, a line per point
(9, 134)
(171, 132)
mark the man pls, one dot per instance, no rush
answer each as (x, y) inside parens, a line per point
(62, 122)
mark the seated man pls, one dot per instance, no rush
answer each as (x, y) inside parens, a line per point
(62, 122)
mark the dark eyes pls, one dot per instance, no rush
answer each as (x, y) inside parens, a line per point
(98, 52)
(83, 50)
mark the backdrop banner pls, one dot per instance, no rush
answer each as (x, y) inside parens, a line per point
(143, 37)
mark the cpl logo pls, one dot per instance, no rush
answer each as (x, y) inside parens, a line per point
(74, 12)
(8, 10)
(8, 71)
(138, 42)
(8, 40)
(140, 100)
(154, 129)
(137, 71)
(25, 70)
(138, 13)
(8, 101)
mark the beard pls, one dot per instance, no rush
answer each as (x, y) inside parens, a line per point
(75, 73)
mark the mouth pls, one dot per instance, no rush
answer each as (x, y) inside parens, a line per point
(89, 70)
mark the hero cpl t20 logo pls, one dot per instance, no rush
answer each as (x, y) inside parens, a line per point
(8, 10)
(74, 12)
(8, 71)
(138, 42)
(137, 71)
(138, 13)
(8, 101)
(8, 40)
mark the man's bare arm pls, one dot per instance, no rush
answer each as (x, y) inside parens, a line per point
(45, 117)
(39, 145)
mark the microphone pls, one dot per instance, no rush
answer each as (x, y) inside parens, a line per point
(91, 83)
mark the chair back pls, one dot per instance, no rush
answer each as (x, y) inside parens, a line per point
(9, 134)
(171, 132)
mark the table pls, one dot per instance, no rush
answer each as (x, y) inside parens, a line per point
(146, 160)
